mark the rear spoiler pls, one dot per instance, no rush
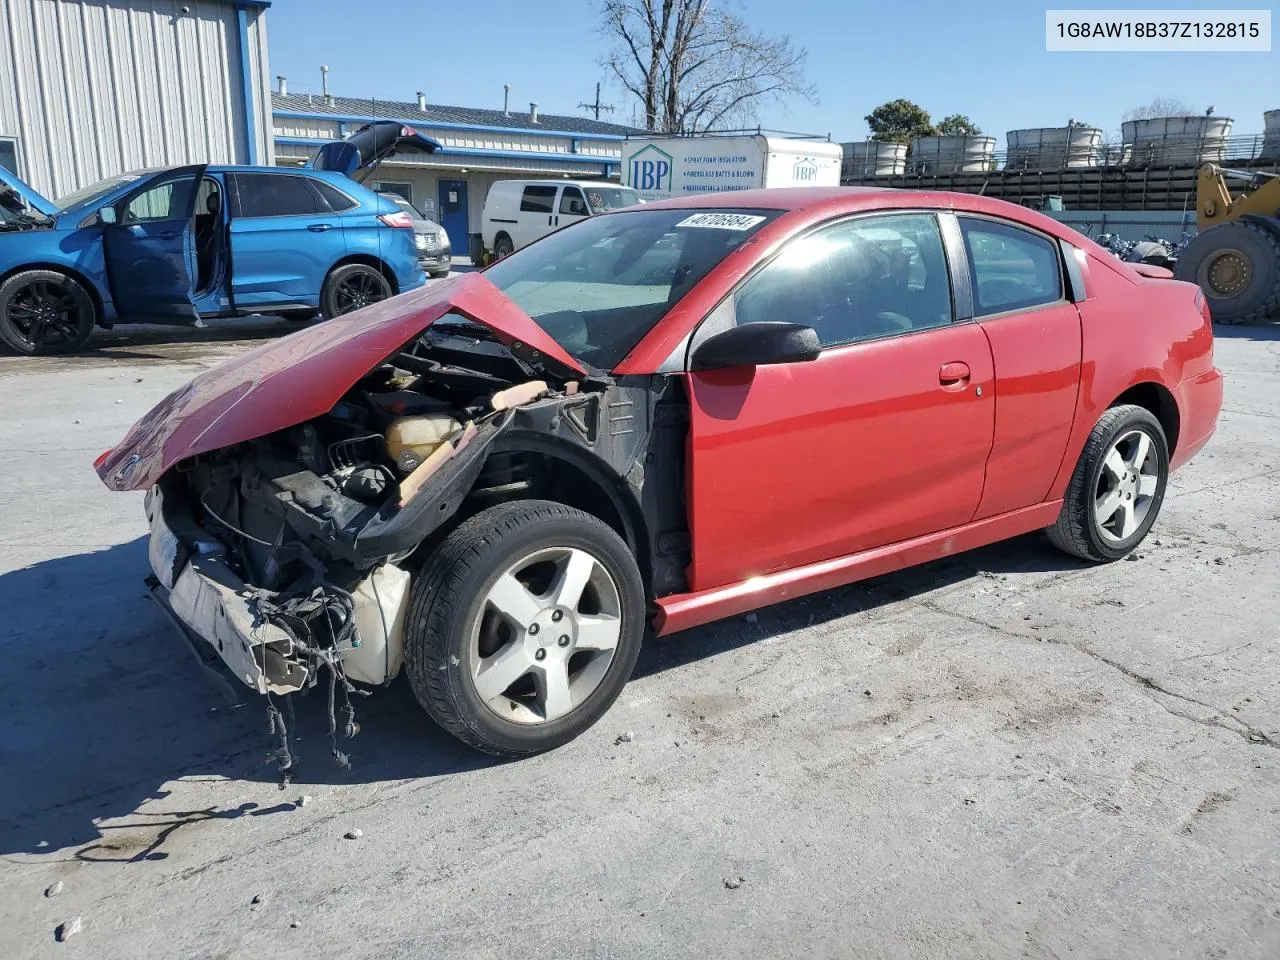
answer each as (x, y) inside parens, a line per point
(1152, 271)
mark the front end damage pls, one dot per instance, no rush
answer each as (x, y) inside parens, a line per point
(291, 555)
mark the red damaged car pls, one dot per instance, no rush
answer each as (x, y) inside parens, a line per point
(656, 418)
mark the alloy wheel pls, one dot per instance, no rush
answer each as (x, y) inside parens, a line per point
(45, 313)
(1127, 485)
(360, 290)
(545, 636)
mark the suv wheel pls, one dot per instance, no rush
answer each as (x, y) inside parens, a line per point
(351, 287)
(44, 312)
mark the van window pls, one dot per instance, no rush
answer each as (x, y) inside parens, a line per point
(572, 203)
(602, 199)
(538, 200)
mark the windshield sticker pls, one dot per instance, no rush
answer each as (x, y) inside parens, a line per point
(722, 221)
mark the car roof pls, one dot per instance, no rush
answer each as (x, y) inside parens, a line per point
(814, 204)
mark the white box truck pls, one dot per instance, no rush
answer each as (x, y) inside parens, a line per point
(679, 166)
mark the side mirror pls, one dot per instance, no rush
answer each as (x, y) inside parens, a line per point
(107, 215)
(758, 344)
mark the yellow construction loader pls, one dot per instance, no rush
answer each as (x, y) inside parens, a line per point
(1235, 256)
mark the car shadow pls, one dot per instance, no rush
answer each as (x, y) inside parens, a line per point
(1031, 553)
(107, 706)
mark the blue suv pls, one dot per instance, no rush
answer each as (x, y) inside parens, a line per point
(175, 245)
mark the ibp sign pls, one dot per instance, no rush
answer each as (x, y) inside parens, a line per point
(805, 171)
(650, 169)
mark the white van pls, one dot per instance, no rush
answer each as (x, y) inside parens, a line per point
(518, 212)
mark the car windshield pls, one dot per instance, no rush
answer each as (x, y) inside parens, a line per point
(87, 196)
(599, 286)
(602, 199)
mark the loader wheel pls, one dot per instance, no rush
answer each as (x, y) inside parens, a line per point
(1237, 265)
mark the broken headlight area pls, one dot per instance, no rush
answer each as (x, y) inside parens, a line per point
(290, 554)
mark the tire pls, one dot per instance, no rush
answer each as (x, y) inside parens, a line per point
(453, 628)
(502, 246)
(1084, 529)
(44, 312)
(1237, 265)
(352, 287)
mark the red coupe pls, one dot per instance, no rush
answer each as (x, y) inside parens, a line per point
(656, 418)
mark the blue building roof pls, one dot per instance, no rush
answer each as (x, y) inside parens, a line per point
(364, 109)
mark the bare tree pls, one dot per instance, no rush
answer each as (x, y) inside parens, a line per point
(696, 67)
(1161, 107)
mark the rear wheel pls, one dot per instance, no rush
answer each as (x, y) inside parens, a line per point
(1117, 488)
(1237, 265)
(502, 246)
(45, 312)
(524, 627)
(351, 287)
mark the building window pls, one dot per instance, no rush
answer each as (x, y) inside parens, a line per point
(9, 155)
(390, 186)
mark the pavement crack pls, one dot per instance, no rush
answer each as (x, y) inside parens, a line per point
(1220, 719)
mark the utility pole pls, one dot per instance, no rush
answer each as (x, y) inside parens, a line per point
(597, 106)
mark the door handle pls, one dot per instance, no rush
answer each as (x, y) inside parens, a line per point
(319, 227)
(954, 375)
(167, 235)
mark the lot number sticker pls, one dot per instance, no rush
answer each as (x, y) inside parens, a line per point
(721, 221)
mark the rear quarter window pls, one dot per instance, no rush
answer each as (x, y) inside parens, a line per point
(1011, 268)
(332, 197)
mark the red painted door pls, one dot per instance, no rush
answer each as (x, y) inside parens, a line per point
(1019, 295)
(879, 440)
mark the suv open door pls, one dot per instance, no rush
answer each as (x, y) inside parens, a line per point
(149, 247)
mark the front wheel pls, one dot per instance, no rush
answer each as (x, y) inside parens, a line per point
(524, 627)
(352, 287)
(44, 312)
(1117, 488)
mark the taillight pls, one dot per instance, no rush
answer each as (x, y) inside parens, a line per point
(400, 220)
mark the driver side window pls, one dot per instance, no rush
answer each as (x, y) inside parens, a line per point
(168, 200)
(857, 280)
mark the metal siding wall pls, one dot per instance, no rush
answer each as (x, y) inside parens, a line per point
(95, 87)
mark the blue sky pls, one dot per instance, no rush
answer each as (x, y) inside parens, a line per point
(984, 59)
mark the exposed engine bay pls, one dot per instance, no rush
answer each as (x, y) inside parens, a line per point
(292, 553)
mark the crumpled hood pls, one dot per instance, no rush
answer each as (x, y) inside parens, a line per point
(301, 376)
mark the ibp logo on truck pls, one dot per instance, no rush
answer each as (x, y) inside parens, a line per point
(805, 171)
(651, 170)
